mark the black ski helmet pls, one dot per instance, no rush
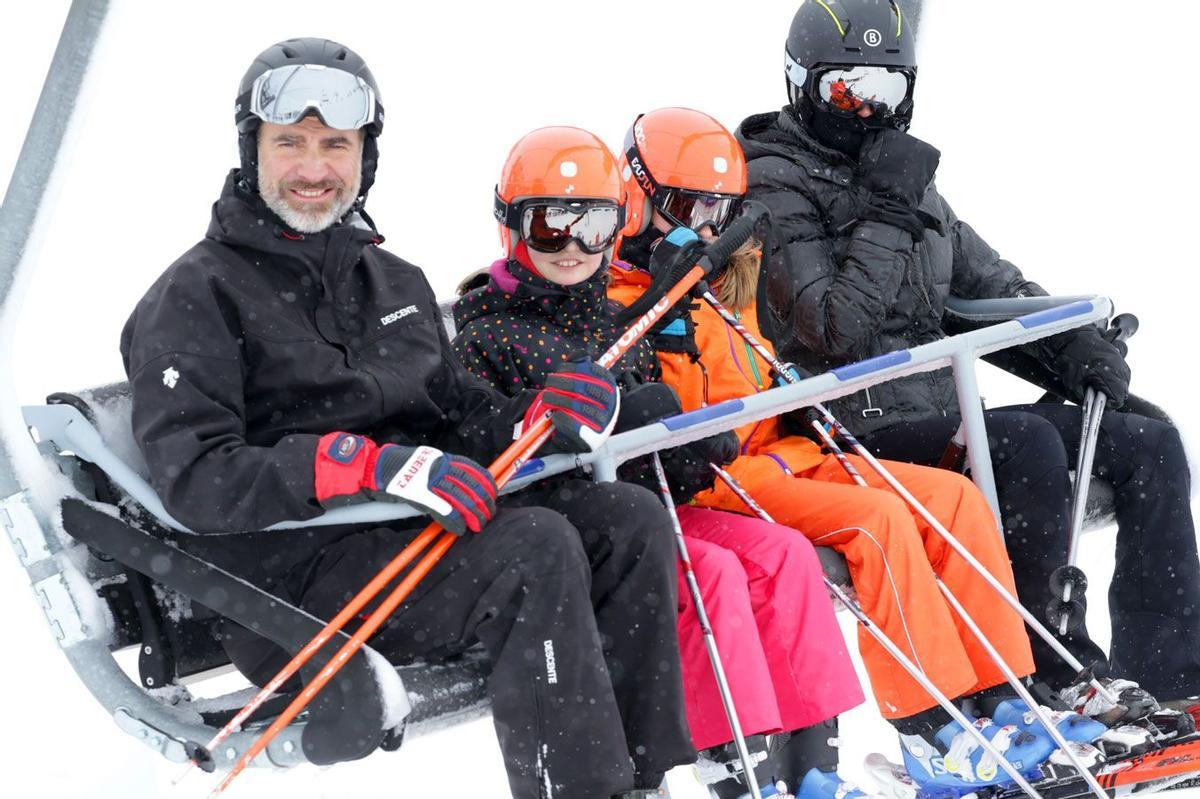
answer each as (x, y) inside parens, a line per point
(314, 51)
(848, 33)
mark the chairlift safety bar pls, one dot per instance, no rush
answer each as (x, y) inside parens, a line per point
(67, 428)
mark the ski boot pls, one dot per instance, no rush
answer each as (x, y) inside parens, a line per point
(828, 785)
(895, 783)
(954, 762)
(772, 790)
(1134, 706)
(1085, 736)
(720, 768)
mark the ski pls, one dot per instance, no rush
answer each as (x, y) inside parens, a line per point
(1175, 765)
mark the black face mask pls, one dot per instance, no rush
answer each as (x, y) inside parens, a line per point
(838, 132)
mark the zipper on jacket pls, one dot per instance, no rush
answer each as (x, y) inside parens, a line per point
(704, 378)
(871, 412)
(758, 381)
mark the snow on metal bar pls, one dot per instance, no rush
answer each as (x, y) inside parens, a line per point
(878, 363)
(1049, 315)
(685, 420)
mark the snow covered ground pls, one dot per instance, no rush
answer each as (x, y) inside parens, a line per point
(1068, 138)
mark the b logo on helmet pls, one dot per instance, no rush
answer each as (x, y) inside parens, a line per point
(873, 38)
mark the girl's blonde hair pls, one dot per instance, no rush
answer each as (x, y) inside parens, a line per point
(738, 287)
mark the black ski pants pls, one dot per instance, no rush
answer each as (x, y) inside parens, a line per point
(1154, 597)
(571, 589)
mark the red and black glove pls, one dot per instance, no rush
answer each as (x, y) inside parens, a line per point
(584, 401)
(457, 492)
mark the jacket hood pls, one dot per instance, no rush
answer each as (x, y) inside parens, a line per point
(780, 133)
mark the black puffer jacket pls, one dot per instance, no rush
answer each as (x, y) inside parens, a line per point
(259, 340)
(840, 289)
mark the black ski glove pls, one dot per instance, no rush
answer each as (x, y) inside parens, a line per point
(644, 403)
(686, 466)
(1083, 358)
(897, 169)
(670, 256)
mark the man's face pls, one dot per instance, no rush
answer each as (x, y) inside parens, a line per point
(309, 174)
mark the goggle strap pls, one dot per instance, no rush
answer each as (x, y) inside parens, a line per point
(509, 214)
(637, 164)
(506, 214)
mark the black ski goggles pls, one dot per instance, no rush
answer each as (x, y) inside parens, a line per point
(695, 209)
(550, 224)
(285, 95)
(847, 90)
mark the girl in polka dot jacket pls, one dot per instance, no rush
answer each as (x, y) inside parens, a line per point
(560, 208)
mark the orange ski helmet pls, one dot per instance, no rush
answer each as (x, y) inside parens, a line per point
(562, 163)
(671, 156)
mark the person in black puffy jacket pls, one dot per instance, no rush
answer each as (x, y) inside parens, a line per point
(865, 255)
(287, 364)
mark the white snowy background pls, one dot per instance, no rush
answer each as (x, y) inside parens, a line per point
(1068, 133)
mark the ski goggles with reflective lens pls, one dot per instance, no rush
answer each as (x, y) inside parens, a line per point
(286, 95)
(850, 89)
(695, 209)
(550, 224)
(847, 89)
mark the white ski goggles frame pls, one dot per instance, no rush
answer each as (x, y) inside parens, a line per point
(285, 95)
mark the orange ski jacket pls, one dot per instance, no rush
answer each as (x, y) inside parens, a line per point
(727, 368)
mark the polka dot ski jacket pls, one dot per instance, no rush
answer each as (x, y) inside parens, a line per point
(515, 330)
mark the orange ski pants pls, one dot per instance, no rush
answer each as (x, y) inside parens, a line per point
(893, 556)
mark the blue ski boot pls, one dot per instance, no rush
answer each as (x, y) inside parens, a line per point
(828, 785)
(954, 760)
(1072, 726)
(1090, 741)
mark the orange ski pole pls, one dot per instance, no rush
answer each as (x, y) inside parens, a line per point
(502, 470)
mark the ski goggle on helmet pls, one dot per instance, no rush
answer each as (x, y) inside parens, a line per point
(550, 224)
(559, 185)
(285, 95)
(686, 166)
(847, 89)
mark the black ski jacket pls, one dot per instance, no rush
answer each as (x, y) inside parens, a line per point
(841, 289)
(259, 340)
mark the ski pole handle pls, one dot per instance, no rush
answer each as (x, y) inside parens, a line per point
(738, 233)
(716, 254)
(1122, 327)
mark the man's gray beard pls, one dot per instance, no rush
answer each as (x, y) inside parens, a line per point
(309, 222)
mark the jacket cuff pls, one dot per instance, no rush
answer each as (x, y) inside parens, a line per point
(342, 465)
